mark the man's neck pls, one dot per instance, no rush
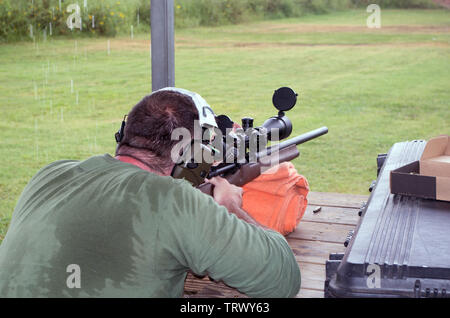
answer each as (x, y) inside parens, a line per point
(138, 163)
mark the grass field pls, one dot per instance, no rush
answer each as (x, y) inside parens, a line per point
(65, 98)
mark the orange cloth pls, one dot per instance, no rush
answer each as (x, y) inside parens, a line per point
(277, 198)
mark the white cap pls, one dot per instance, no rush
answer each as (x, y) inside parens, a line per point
(205, 113)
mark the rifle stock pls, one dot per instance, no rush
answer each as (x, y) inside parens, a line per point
(251, 171)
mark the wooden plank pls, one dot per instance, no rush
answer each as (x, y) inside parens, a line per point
(335, 233)
(329, 214)
(314, 251)
(312, 277)
(336, 199)
(195, 287)
(310, 293)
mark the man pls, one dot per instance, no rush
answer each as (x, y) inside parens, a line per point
(123, 227)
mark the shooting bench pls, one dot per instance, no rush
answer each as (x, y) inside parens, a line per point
(317, 236)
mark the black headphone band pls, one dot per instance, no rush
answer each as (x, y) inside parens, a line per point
(121, 133)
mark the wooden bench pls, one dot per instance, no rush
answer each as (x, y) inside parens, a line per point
(317, 235)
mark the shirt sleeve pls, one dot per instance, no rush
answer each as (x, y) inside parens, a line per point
(213, 241)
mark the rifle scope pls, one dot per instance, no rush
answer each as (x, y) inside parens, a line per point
(275, 128)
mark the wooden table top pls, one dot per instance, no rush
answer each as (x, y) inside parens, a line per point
(316, 236)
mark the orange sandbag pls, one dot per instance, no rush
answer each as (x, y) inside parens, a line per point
(277, 198)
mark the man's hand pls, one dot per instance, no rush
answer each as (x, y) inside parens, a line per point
(226, 194)
(230, 196)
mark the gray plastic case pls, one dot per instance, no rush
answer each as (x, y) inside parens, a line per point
(401, 246)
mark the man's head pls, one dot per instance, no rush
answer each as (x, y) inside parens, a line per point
(150, 124)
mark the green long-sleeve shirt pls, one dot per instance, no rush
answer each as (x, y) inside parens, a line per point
(104, 228)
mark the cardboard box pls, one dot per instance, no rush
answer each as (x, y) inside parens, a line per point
(430, 176)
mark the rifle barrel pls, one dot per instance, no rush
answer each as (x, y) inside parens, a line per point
(294, 141)
(304, 137)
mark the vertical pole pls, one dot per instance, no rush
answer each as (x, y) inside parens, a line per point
(162, 33)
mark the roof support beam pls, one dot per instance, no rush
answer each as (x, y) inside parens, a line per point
(163, 52)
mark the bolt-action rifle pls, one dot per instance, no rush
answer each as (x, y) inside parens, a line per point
(244, 152)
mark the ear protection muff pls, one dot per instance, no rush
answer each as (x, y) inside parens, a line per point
(191, 170)
(121, 132)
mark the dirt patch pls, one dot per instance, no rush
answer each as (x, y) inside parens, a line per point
(192, 44)
(293, 44)
(119, 45)
(139, 45)
(306, 28)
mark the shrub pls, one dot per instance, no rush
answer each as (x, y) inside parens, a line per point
(117, 16)
(405, 4)
(45, 17)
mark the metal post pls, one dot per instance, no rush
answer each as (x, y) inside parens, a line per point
(162, 33)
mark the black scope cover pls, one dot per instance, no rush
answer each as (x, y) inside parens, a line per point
(284, 99)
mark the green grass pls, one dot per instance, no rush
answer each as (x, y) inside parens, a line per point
(372, 88)
(391, 17)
